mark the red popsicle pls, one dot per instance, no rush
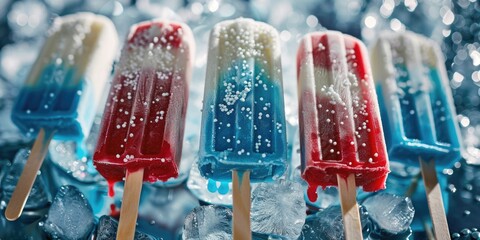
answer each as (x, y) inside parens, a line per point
(341, 133)
(142, 127)
(144, 118)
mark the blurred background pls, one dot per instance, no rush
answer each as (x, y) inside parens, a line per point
(455, 25)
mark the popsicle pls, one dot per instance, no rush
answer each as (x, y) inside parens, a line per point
(62, 90)
(243, 122)
(416, 100)
(341, 133)
(418, 112)
(142, 127)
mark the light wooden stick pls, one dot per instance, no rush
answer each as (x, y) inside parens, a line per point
(241, 205)
(434, 199)
(130, 202)
(29, 174)
(350, 213)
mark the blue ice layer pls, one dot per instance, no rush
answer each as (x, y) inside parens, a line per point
(243, 125)
(418, 123)
(56, 101)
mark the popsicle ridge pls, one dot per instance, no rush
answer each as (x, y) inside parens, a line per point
(243, 103)
(419, 115)
(341, 132)
(67, 77)
(143, 123)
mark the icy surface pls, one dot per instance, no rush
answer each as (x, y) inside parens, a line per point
(390, 213)
(198, 186)
(328, 225)
(278, 208)
(70, 216)
(107, 230)
(166, 207)
(39, 195)
(208, 223)
(75, 158)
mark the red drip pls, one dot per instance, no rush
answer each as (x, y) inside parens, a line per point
(312, 193)
(114, 212)
(111, 191)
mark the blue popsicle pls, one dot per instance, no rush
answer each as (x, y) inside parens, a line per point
(67, 80)
(243, 124)
(415, 100)
(59, 96)
(417, 112)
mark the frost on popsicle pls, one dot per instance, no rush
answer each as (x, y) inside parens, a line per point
(68, 76)
(340, 124)
(243, 120)
(418, 112)
(145, 112)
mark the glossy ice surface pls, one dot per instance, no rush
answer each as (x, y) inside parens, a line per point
(142, 126)
(243, 124)
(68, 77)
(340, 127)
(415, 100)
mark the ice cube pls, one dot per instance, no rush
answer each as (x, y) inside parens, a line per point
(208, 223)
(39, 195)
(326, 197)
(328, 224)
(278, 209)
(70, 216)
(107, 230)
(390, 213)
(167, 207)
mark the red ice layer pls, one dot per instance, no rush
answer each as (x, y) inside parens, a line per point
(331, 142)
(144, 118)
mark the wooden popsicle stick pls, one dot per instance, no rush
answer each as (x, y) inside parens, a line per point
(348, 200)
(130, 202)
(434, 199)
(29, 174)
(241, 205)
